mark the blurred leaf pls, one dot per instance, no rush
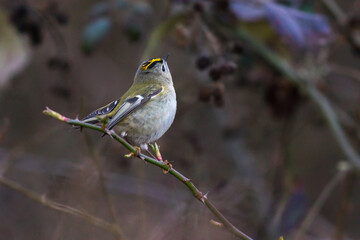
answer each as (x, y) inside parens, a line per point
(299, 29)
(94, 32)
(13, 51)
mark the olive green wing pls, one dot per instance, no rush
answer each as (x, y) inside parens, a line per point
(131, 104)
(119, 109)
(100, 113)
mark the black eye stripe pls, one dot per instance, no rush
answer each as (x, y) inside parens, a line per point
(151, 65)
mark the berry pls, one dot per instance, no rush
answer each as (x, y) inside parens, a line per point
(203, 62)
(215, 73)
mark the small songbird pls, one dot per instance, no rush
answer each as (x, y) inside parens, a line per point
(146, 111)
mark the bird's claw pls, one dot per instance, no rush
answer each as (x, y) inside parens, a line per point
(108, 132)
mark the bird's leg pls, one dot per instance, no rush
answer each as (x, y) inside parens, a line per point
(104, 122)
(150, 153)
(108, 132)
(156, 149)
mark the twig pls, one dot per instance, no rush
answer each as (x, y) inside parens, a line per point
(347, 188)
(60, 207)
(96, 160)
(162, 165)
(224, 221)
(314, 210)
(335, 11)
(342, 20)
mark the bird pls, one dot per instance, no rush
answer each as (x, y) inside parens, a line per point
(146, 111)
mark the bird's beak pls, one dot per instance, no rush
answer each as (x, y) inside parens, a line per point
(166, 57)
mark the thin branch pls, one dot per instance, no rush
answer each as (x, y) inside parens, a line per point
(335, 11)
(227, 224)
(342, 20)
(333, 122)
(60, 207)
(96, 161)
(319, 203)
(348, 189)
(162, 165)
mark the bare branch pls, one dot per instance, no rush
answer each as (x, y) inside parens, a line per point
(163, 165)
(319, 203)
(61, 207)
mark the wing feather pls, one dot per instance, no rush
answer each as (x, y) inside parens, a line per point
(130, 105)
(93, 117)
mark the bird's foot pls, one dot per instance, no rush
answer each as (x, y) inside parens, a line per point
(108, 132)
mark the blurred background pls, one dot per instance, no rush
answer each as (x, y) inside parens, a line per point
(262, 86)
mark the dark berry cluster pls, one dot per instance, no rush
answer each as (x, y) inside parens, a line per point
(26, 23)
(216, 71)
(30, 21)
(282, 98)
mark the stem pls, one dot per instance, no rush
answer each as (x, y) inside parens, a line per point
(163, 165)
(342, 19)
(319, 203)
(335, 11)
(348, 189)
(60, 207)
(96, 161)
(224, 221)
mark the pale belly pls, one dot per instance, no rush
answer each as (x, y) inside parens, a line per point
(141, 127)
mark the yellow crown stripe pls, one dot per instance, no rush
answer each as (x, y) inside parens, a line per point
(148, 63)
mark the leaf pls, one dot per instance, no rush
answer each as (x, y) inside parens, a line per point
(299, 29)
(94, 32)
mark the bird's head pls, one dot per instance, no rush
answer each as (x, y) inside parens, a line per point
(154, 69)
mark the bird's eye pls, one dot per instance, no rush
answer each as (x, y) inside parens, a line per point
(163, 68)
